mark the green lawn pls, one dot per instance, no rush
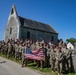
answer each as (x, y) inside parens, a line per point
(44, 71)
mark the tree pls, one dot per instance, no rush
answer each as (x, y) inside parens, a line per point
(71, 40)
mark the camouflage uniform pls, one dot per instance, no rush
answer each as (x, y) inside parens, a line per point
(24, 52)
(33, 46)
(5, 49)
(13, 50)
(16, 51)
(61, 44)
(53, 59)
(20, 51)
(66, 56)
(45, 53)
(23, 57)
(9, 54)
(51, 45)
(48, 56)
(3, 45)
(59, 60)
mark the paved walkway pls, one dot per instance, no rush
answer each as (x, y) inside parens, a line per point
(8, 67)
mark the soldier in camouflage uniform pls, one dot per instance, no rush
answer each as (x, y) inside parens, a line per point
(9, 54)
(50, 44)
(59, 60)
(16, 51)
(37, 45)
(5, 49)
(60, 43)
(66, 55)
(48, 55)
(45, 53)
(13, 49)
(20, 51)
(53, 59)
(23, 52)
(33, 46)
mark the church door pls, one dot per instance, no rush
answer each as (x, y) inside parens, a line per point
(28, 35)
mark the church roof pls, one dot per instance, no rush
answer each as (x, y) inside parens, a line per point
(36, 25)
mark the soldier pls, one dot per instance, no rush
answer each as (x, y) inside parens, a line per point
(42, 53)
(16, 50)
(9, 54)
(53, 59)
(59, 60)
(37, 45)
(33, 46)
(48, 55)
(66, 56)
(37, 42)
(45, 54)
(20, 51)
(50, 44)
(5, 48)
(43, 41)
(70, 60)
(23, 52)
(13, 49)
(61, 43)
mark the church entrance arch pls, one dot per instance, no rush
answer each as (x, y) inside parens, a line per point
(28, 35)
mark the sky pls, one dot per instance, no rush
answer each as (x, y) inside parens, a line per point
(60, 14)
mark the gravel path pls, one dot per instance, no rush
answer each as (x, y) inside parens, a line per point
(8, 67)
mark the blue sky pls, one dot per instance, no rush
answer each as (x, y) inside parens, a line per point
(60, 14)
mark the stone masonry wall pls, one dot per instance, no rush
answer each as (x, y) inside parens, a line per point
(35, 34)
(12, 23)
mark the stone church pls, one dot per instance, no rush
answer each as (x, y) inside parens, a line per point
(22, 28)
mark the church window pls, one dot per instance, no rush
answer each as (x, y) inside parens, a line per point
(10, 30)
(52, 38)
(28, 35)
(41, 37)
(12, 11)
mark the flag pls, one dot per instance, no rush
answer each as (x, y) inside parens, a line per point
(35, 55)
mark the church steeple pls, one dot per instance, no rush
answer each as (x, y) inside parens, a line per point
(13, 10)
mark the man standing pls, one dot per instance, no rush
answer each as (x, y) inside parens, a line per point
(59, 60)
(66, 56)
(53, 59)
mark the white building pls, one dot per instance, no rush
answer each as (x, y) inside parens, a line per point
(70, 46)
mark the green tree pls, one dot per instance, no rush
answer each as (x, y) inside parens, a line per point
(71, 40)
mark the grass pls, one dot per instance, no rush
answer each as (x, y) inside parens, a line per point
(44, 71)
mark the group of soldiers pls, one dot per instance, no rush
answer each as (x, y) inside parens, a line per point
(58, 57)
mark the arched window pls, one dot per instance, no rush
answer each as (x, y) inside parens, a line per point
(28, 35)
(52, 38)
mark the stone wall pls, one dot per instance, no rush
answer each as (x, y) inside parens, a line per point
(12, 23)
(35, 34)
